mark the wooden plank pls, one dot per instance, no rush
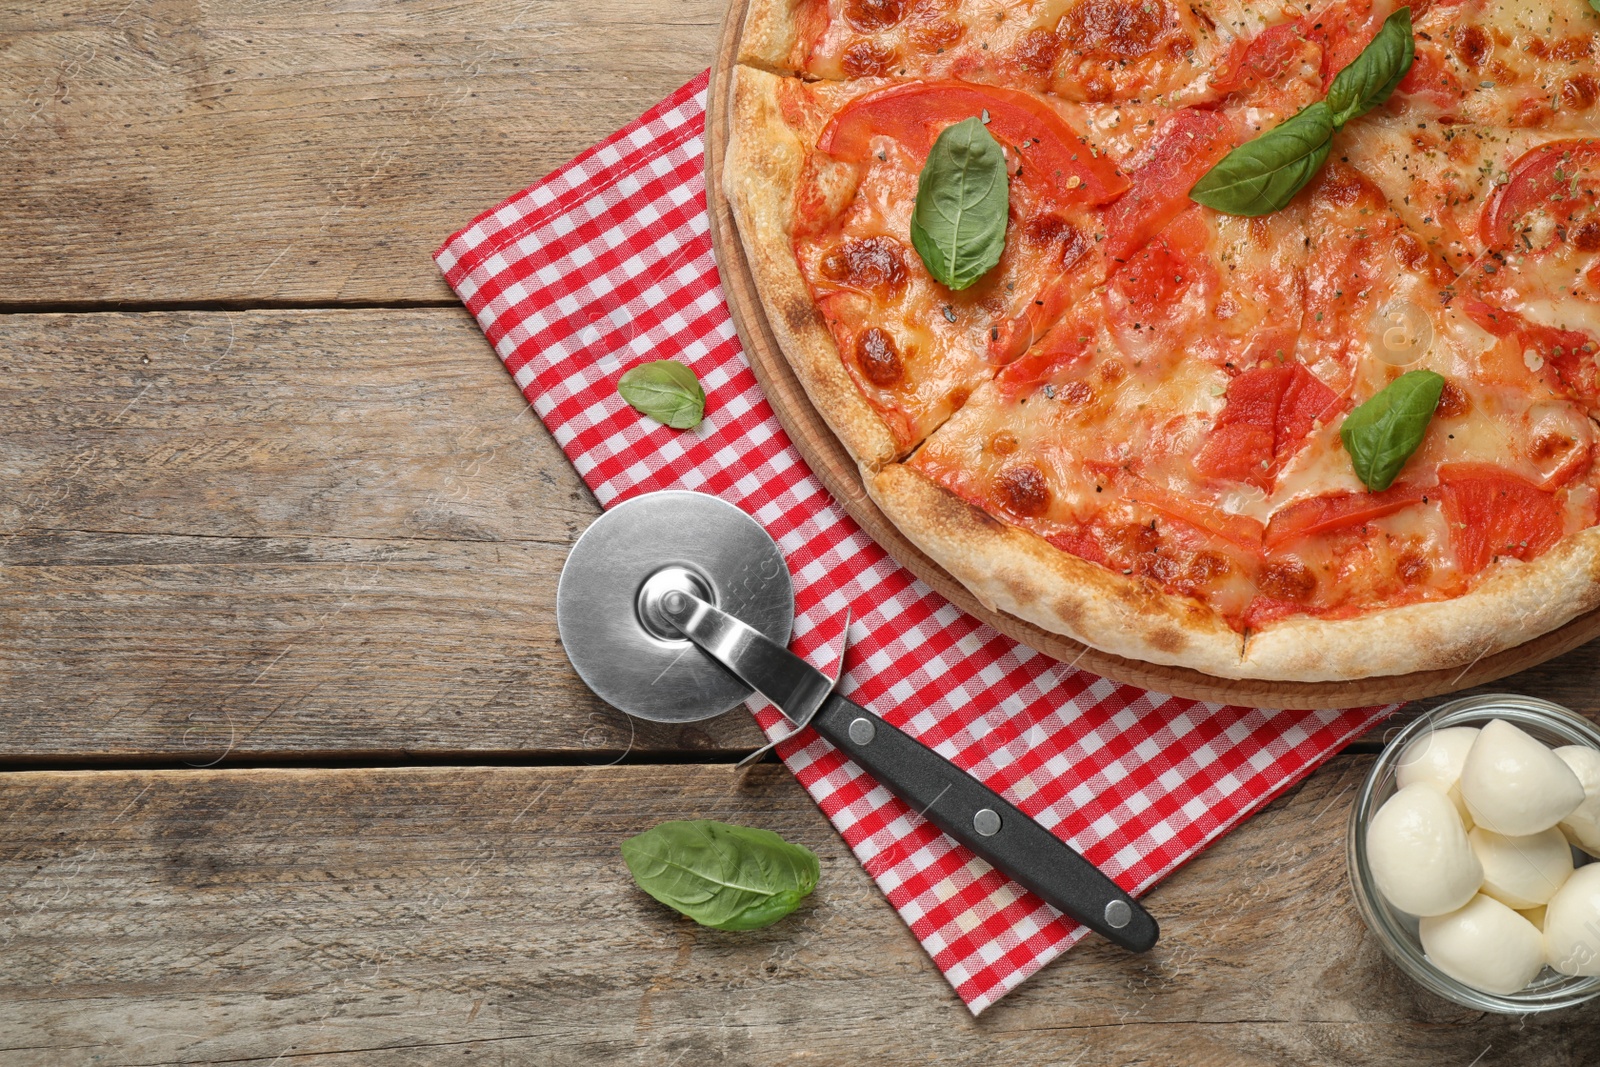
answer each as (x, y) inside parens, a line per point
(359, 424)
(397, 916)
(304, 534)
(299, 151)
(292, 532)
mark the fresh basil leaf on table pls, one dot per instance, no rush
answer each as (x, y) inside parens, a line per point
(1262, 175)
(722, 876)
(958, 226)
(666, 391)
(1367, 82)
(1381, 434)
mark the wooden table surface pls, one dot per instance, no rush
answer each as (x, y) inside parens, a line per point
(292, 766)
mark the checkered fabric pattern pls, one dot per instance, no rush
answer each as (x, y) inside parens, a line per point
(606, 264)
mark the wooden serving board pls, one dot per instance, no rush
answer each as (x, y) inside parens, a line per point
(832, 464)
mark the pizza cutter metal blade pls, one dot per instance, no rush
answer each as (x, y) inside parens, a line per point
(675, 606)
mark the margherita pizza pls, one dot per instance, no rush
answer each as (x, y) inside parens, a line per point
(1253, 338)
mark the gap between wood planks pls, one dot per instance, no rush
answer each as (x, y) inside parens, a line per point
(288, 365)
(113, 307)
(595, 759)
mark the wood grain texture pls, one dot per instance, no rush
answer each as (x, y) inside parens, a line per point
(834, 467)
(155, 150)
(399, 916)
(305, 534)
(325, 535)
(302, 533)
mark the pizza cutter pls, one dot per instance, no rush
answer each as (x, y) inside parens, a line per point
(675, 606)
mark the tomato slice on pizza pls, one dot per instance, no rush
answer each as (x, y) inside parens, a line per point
(1538, 281)
(1055, 162)
(914, 348)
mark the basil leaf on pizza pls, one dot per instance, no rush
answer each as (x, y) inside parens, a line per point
(666, 391)
(1367, 82)
(1382, 433)
(958, 226)
(1261, 176)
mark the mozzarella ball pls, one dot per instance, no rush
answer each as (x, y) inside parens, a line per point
(1582, 827)
(1522, 872)
(1485, 945)
(1572, 924)
(1514, 785)
(1436, 758)
(1419, 854)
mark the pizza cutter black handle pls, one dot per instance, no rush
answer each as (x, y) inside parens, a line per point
(951, 799)
(975, 815)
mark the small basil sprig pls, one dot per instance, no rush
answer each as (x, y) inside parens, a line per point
(1367, 82)
(666, 391)
(1264, 174)
(958, 226)
(1381, 434)
(727, 877)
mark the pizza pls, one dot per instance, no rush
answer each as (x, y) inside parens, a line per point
(1276, 353)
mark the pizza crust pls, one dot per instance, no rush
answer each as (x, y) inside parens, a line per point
(760, 175)
(770, 32)
(1021, 574)
(1017, 572)
(1519, 602)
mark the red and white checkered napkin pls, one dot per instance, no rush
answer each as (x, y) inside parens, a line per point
(606, 264)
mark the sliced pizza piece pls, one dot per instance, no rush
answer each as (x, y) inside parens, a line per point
(1126, 437)
(1378, 305)
(823, 180)
(1504, 472)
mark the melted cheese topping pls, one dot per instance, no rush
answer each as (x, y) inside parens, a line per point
(1083, 50)
(1494, 63)
(1118, 438)
(1437, 177)
(915, 349)
(1177, 418)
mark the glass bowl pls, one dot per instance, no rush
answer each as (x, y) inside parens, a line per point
(1396, 931)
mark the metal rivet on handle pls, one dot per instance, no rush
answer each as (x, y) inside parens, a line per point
(986, 821)
(1118, 914)
(862, 731)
